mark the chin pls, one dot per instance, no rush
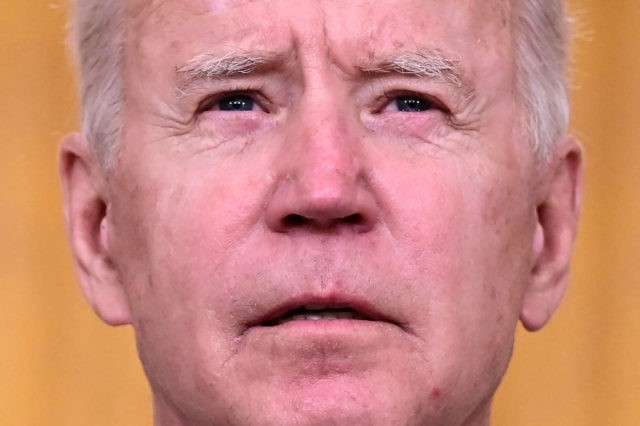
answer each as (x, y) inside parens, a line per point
(340, 400)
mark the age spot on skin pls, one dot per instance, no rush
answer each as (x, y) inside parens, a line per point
(436, 393)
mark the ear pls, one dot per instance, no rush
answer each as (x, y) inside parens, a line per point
(86, 212)
(557, 211)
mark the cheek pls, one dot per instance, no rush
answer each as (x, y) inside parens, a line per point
(172, 250)
(193, 229)
(473, 247)
(467, 254)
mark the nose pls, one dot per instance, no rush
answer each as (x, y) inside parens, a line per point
(323, 180)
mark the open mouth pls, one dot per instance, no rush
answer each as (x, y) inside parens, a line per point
(316, 313)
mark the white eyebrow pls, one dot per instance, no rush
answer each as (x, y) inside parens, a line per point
(431, 65)
(208, 66)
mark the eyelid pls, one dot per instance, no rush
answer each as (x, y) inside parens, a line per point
(254, 93)
(391, 94)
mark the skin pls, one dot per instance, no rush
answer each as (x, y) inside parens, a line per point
(440, 225)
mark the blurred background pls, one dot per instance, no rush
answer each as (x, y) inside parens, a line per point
(59, 365)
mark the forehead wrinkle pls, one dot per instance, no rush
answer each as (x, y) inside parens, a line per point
(224, 5)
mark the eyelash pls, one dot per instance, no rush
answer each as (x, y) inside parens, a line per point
(389, 96)
(263, 103)
(254, 93)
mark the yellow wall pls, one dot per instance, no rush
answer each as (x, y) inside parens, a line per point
(60, 366)
(584, 368)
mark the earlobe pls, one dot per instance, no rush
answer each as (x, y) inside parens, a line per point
(557, 217)
(86, 212)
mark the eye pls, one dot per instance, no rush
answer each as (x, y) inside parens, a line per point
(236, 102)
(410, 103)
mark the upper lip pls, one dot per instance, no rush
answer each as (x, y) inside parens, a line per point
(314, 302)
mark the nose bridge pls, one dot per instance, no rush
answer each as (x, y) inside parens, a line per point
(326, 148)
(324, 128)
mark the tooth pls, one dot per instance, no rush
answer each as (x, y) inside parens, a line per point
(318, 313)
(307, 317)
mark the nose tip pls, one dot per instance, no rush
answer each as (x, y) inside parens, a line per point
(328, 205)
(323, 191)
(324, 214)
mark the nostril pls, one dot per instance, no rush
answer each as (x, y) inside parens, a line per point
(294, 220)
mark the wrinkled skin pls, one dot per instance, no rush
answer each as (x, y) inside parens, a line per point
(438, 225)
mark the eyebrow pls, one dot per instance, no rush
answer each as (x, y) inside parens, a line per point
(432, 65)
(211, 66)
(428, 64)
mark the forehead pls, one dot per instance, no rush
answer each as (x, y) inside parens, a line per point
(361, 24)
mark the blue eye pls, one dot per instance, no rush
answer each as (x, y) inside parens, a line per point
(410, 103)
(236, 103)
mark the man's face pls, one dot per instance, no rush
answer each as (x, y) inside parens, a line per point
(323, 212)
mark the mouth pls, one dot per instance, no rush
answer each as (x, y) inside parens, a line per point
(323, 309)
(317, 313)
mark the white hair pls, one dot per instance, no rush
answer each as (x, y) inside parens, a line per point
(541, 48)
(97, 39)
(540, 43)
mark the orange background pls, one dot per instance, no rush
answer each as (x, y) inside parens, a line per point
(59, 365)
